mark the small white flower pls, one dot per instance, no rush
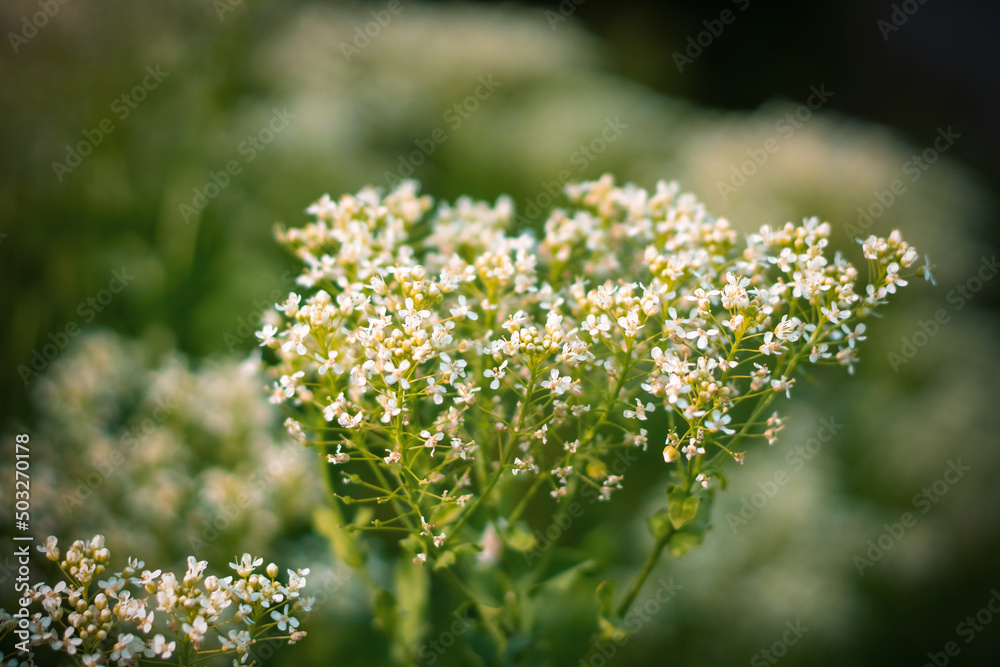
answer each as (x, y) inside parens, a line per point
(784, 384)
(284, 620)
(630, 323)
(50, 548)
(558, 385)
(771, 345)
(267, 334)
(246, 565)
(435, 391)
(702, 336)
(339, 458)
(196, 631)
(892, 278)
(431, 440)
(239, 641)
(692, 449)
(527, 465)
(392, 409)
(835, 314)
(497, 374)
(718, 422)
(928, 276)
(734, 294)
(128, 645)
(68, 643)
(329, 363)
(819, 352)
(291, 305)
(640, 411)
(464, 310)
(872, 246)
(296, 338)
(288, 383)
(597, 328)
(160, 647)
(853, 336)
(394, 374)
(347, 421)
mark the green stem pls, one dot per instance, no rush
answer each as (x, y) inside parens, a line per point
(504, 458)
(647, 569)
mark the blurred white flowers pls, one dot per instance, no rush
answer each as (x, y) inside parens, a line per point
(111, 625)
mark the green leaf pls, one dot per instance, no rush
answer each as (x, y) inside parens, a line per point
(445, 560)
(683, 541)
(659, 524)
(385, 611)
(445, 513)
(682, 508)
(606, 597)
(563, 581)
(412, 594)
(520, 539)
(610, 632)
(330, 524)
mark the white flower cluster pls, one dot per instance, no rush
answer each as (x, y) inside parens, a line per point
(137, 614)
(164, 455)
(443, 357)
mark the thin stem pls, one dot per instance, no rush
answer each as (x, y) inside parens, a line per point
(647, 569)
(504, 457)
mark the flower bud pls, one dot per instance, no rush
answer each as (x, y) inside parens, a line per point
(670, 454)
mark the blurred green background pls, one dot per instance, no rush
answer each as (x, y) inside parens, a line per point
(295, 102)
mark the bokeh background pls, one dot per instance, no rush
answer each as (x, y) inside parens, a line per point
(160, 377)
